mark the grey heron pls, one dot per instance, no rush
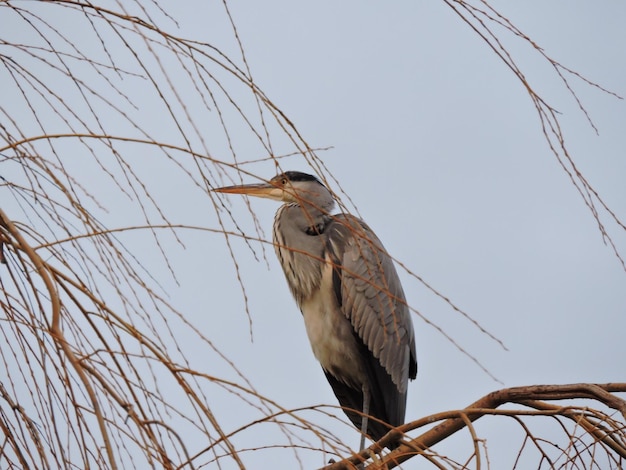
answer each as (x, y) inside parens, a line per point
(350, 296)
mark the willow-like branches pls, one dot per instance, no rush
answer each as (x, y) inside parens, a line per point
(101, 367)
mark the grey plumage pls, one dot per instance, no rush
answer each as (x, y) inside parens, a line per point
(350, 296)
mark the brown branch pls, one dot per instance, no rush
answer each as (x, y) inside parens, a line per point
(532, 396)
(57, 332)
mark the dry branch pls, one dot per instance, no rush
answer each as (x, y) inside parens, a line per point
(591, 420)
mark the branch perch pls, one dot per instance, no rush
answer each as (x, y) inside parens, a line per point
(533, 396)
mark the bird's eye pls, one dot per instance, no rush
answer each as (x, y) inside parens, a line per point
(283, 181)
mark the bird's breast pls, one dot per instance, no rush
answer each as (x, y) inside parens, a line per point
(331, 334)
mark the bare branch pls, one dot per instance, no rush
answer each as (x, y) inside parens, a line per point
(590, 420)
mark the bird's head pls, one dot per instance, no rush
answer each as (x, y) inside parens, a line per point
(289, 187)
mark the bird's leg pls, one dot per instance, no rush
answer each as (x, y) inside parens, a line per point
(366, 412)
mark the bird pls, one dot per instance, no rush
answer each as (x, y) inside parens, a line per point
(349, 292)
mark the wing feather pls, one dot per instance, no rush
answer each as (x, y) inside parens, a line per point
(370, 295)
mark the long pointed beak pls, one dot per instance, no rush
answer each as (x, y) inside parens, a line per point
(265, 190)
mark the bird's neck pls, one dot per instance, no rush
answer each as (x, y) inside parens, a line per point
(300, 245)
